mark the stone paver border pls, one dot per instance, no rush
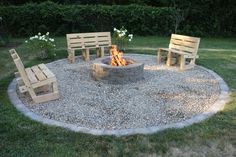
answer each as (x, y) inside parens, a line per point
(217, 106)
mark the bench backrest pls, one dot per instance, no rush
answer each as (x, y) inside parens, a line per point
(88, 40)
(20, 67)
(185, 44)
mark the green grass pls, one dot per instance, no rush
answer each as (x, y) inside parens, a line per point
(20, 136)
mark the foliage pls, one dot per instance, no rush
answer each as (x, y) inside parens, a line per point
(44, 44)
(196, 18)
(121, 37)
(105, 2)
(4, 37)
(62, 19)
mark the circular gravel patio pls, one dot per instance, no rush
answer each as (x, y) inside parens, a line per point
(165, 98)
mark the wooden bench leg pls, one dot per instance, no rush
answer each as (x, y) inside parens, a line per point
(182, 62)
(83, 54)
(54, 87)
(159, 56)
(98, 52)
(169, 57)
(192, 61)
(71, 56)
(102, 51)
(87, 55)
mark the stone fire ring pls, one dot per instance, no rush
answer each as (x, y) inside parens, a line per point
(102, 71)
(215, 107)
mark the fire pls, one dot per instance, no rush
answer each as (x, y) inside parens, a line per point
(116, 57)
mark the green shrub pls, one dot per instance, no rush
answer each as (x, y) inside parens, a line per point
(4, 37)
(28, 19)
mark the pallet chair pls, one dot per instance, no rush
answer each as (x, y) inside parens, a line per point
(35, 79)
(185, 47)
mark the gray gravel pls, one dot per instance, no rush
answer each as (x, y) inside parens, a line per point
(165, 96)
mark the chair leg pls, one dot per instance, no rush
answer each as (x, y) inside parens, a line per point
(102, 51)
(71, 56)
(54, 87)
(182, 62)
(87, 55)
(192, 61)
(169, 57)
(159, 56)
(83, 54)
(98, 52)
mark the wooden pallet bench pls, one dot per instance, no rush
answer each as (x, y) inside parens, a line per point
(184, 46)
(85, 42)
(38, 80)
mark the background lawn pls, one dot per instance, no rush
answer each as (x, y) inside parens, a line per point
(20, 136)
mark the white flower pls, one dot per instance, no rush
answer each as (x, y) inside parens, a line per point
(129, 39)
(26, 41)
(115, 29)
(39, 33)
(52, 40)
(47, 33)
(130, 35)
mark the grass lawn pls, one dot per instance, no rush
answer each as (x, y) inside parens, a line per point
(216, 136)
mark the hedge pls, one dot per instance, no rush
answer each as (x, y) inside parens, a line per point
(59, 19)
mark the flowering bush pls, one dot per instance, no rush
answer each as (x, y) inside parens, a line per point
(122, 37)
(44, 44)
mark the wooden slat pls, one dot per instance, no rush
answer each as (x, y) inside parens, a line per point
(90, 44)
(38, 73)
(76, 40)
(74, 45)
(182, 48)
(185, 38)
(103, 43)
(103, 39)
(46, 71)
(31, 75)
(184, 43)
(91, 34)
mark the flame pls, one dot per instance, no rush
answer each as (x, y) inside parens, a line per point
(116, 57)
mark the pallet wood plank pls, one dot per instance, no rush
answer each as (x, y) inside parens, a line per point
(46, 71)
(31, 75)
(38, 73)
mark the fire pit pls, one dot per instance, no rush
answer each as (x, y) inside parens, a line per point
(117, 69)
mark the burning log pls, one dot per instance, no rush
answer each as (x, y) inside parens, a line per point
(116, 57)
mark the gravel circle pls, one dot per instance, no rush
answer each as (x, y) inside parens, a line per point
(165, 96)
